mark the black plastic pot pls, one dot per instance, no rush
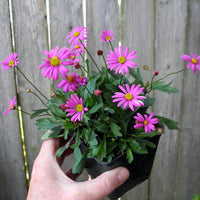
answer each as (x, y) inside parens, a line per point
(139, 169)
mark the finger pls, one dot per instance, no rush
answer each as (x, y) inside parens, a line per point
(49, 147)
(71, 175)
(104, 184)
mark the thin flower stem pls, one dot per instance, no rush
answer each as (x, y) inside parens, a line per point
(90, 56)
(22, 111)
(169, 75)
(31, 82)
(106, 67)
(111, 45)
(88, 90)
(151, 85)
(39, 98)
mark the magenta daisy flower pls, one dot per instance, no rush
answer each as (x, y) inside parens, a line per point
(194, 61)
(121, 60)
(79, 33)
(12, 104)
(147, 122)
(82, 80)
(106, 36)
(73, 57)
(10, 61)
(55, 63)
(75, 108)
(129, 96)
(78, 47)
(70, 83)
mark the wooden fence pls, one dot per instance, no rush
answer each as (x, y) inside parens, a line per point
(159, 30)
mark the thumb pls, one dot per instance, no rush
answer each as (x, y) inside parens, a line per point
(104, 184)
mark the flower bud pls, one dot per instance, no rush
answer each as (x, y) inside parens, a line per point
(155, 73)
(145, 67)
(100, 52)
(63, 106)
(97, 92)
(53, 95)
(159, 130)
(77, 65)
(28, 90)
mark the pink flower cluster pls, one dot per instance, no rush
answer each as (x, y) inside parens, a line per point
(71, 82)
(119, 59)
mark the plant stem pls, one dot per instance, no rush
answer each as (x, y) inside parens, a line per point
(31, 82)
(111, 45)
(87, 90)
(39, 98)
(163, 78)
(106, 67)
(90, 56)
(22, 111)
(169, 75)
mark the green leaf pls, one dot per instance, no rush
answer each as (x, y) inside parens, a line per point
(110, 110)
(53, 133)
(137, 76)
(168, 122)
(89, 68)
(38, 112)
(95, 108)
(129, 155)
(46, 123)
(149, 101)
(55, 109)
(80, 161)
(60, 151)
(159, 85)
(136, 147)
(115, 130)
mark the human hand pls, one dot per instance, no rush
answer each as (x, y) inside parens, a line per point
(49, 182)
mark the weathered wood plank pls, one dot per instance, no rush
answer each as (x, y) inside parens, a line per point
(170, 37)
(30, 30)
(138, 34)
(101, 15)
(188, 173)
(63, 18)
(12, 163)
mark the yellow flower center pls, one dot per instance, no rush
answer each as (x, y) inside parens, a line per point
(128, 96)
(11, 107)
(122, 59)
(108, 38)
(79, 107)
(194, 60)
(72, 57)
(55, 61)
(11, 63)
(76, 34)
(71, 79)
(145, 122)
(77, 46)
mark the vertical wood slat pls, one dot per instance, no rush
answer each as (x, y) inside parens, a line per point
(11, 157)
(30, 32)
(170, 37)
(101, 15)
(138, 34)
(188, 172)
(63, 18)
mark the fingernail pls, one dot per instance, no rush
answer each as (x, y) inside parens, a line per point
(122, 174)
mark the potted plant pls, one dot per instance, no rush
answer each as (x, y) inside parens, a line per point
(102, 114)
